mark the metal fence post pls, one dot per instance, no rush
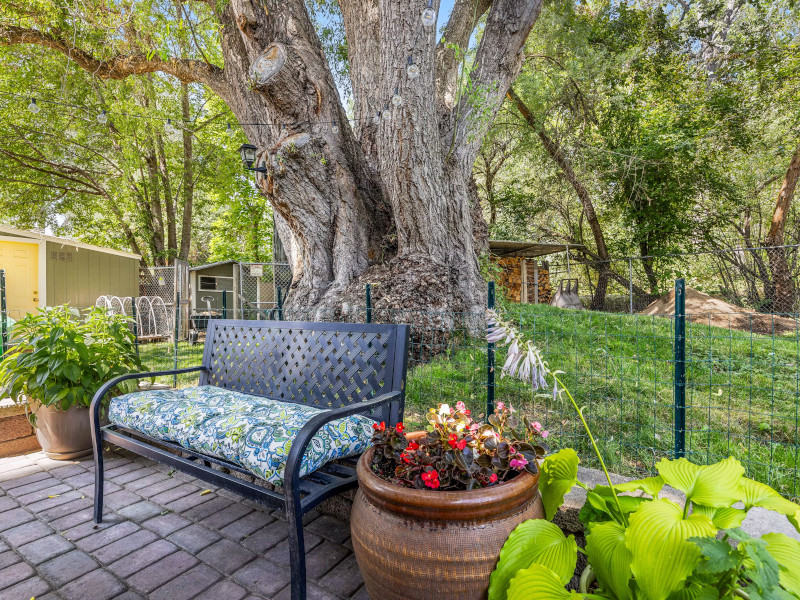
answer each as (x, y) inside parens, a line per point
(279, 312)
(680, 368)
(135, 325)
(3, 315)
(224, 304)
(630, 282)
(175, 336)
(368, 292)
(490, 351)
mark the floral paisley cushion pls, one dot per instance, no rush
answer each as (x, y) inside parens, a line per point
(253, 432)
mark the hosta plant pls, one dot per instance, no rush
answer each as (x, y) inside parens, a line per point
(60, 358)
(457, 453)
(640, 545)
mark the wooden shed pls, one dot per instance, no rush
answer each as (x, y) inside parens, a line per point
(42, 270)
(212, 281)
(525, 277)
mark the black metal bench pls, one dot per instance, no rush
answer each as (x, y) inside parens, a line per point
(343, 368)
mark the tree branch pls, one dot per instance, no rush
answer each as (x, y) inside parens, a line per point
(457, 33)
(120, 66)
(497, 64)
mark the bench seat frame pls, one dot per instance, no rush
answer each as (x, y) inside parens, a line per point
(299, 494)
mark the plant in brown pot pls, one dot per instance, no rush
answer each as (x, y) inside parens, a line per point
(58, 361)
(434, 507)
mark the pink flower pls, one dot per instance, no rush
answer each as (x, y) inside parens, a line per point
(474, 427)
(500, 406)
(545, 434)
(537, 426)
(518, 463)
(493, 478)
(461, 406)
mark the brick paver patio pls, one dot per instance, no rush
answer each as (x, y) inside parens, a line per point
(162, 538)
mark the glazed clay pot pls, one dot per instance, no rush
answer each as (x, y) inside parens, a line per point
(421, 544)
(63, 434)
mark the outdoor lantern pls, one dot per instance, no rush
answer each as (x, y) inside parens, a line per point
(248, 152)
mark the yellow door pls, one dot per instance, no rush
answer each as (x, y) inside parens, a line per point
(21, 263)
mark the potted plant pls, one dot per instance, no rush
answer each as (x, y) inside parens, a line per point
(644, 546)
(58, 361)
(434, 507)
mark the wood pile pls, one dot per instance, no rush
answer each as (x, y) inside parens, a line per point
(511, 280)
(545, 289)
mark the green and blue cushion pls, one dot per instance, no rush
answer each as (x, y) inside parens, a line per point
(253, 432)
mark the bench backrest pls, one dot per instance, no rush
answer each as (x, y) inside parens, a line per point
(324, 365)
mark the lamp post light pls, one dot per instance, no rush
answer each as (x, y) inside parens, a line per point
(248, 152)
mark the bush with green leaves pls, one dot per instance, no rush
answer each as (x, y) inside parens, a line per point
(648, 547)
(61, 358)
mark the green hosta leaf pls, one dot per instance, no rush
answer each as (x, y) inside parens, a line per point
(695, 591)
(721, 556)
(753, 493)
(559, 474)
(658, 540)
(786, 552)
(723, 518)
(712, 485)
(648, 485)
(539, 583)
(610, 558)
(534, 542)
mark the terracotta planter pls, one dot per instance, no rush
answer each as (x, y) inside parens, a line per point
(428, 544)
(63, 434)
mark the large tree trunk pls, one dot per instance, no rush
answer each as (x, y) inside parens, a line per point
(554, 150)
(783, 288)
(390, 201)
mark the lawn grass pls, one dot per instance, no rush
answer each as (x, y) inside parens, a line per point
(741, 398)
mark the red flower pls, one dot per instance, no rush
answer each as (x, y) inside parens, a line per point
(493, 478)
(399, 428)
(412, 445)
(456, 443)
(431, 479)
(406, 457)
(379, 426)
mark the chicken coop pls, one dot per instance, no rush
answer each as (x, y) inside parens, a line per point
(524, 274)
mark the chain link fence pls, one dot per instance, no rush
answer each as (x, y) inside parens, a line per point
(260, 285)
(763, 279)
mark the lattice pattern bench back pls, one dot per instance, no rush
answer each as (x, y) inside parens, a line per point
(325, 365)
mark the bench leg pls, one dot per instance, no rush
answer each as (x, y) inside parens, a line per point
(97, 443)
(297, 554)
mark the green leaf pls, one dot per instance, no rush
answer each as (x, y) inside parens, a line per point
(649, 485)
(538, 583)
(723, 518)
(712, 485)
(610, 558)
(786, 553)
(753, 493)
(658, 540)
(695, 591)
(559, 474)
(534, 542)
(720, 556)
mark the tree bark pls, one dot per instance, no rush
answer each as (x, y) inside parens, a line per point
(783, 288)
(554, 151)
(389, 201)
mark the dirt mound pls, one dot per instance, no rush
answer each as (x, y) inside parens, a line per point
(708, 310)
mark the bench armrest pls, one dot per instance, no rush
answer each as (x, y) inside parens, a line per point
(291, 475)
(94, 411)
